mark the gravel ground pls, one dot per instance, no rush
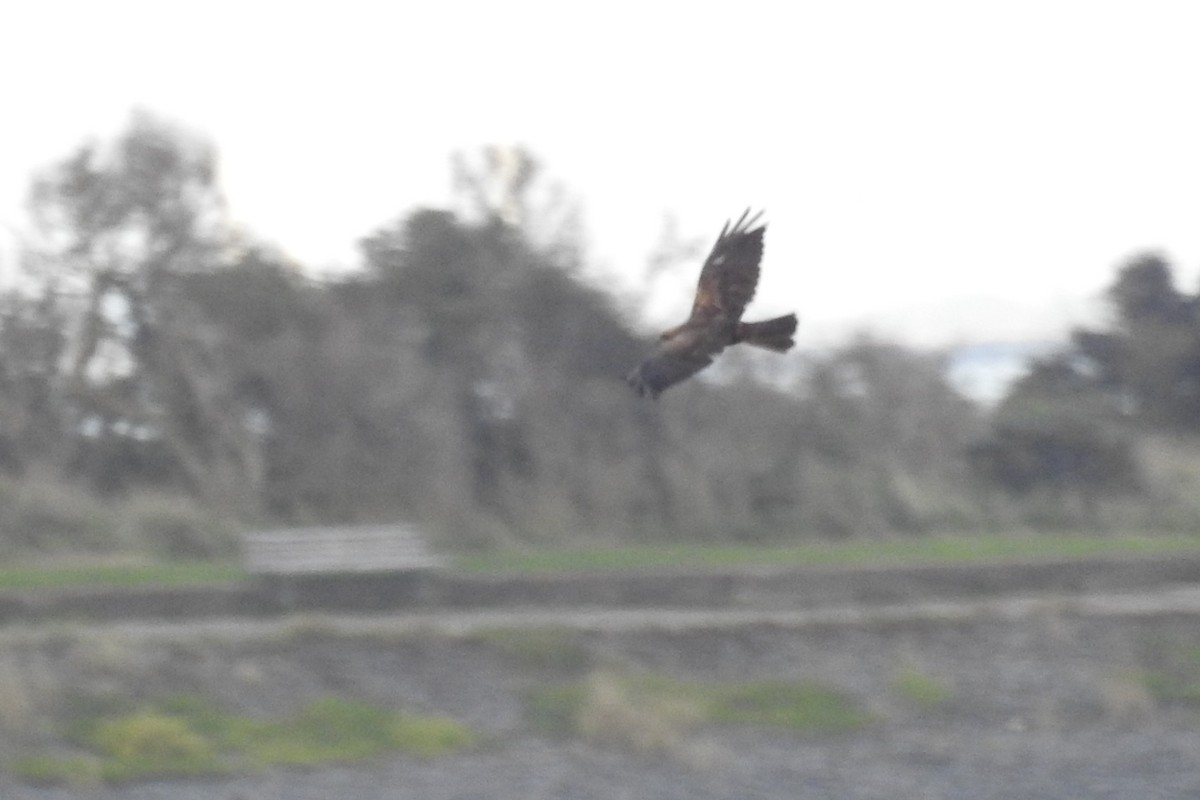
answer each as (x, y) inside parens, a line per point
(949, 763)
(1049, 700)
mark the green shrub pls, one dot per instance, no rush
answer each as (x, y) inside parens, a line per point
(552, 710)
(333, 729)
(1176, 680)
(428, 736)
(54, 770)
(330, 729)
(805, 706)
(648, 711)
(921, 689)
(188, 735)
(175, 527)
(549, 648)
(149, 743)
(44, 515)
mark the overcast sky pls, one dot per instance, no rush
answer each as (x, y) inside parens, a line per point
(942, 171)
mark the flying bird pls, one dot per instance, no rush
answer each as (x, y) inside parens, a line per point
(727, 282)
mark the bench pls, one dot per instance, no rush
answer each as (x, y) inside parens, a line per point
(341, 568)
(338, 550)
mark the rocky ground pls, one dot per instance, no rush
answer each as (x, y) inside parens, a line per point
(951, 763)
(1039, 696)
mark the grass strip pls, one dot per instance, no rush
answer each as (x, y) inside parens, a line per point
(865, 552)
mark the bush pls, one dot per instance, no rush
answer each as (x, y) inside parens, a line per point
(52, 770)
(150, 743)
(803, 706)
(922, 689)
(41, 516)
(44, 515)
(174, 526)
(1060, 456)
(650, 712)
(188, 735)
(427, 736)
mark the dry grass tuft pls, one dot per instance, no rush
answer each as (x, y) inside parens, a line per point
(1126, 699)
(635, 717)
(16, 696)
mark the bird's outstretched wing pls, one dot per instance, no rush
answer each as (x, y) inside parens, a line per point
(730, 273)
(665, 368)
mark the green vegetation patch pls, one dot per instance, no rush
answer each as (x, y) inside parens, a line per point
(45, 769)
(182, 573)
(922, 689)
(46, 517)
(189, 736)
(1177, 680)
(927, 549)
(150, 743)
(804, 706)
(650, 711)
(1172, 690)
(554, 710)
(551, 648)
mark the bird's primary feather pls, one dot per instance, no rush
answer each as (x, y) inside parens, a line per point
(727, 284)
(729, 276)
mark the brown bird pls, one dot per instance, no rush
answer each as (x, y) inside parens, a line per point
(727, 283)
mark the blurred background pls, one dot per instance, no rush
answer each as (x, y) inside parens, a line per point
(265, 266)
(351, 265)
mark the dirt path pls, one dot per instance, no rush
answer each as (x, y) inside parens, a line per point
(1171, 599)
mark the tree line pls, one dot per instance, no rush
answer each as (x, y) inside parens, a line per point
(468, 377)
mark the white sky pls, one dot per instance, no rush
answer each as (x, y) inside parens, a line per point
(944, 171)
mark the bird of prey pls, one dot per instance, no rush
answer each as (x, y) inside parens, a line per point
(727, 282)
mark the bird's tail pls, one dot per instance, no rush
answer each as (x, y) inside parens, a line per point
(773, 334)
